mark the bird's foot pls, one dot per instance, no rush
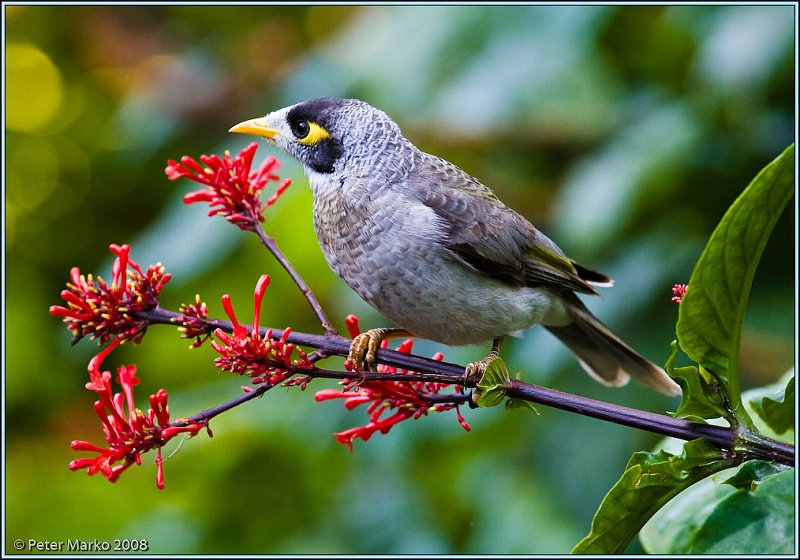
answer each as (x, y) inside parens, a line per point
(361, 356)
(475, 370)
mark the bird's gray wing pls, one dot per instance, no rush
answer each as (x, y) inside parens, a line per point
(492, 238)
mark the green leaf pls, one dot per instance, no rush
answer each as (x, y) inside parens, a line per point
(673, 527)
(492, 386)
(702, 398)
(752, 399)
(650, 480)
(694, 521)
(752, 473)
(757, 522)
(711, 313)
(778, 413)
(512, 403)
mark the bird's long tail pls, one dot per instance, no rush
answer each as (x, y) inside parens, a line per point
(604, 355)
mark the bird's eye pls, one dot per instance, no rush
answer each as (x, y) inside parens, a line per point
(300, 129)
(308, 133)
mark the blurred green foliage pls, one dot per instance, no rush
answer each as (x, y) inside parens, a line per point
(624, 132)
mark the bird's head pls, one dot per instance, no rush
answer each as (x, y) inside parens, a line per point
(330, 135)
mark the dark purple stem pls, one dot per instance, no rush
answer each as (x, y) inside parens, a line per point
(272, 246)
(444, 372)
(208, 414)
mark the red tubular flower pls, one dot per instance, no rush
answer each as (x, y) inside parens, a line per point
(232, 189)
(409, 399)
(129, 432)
(679, 290)
(351, 322)
(263, 359)
(101, 311)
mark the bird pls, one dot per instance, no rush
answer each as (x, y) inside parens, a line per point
(433, 249)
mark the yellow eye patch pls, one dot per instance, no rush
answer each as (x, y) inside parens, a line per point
(315, 134)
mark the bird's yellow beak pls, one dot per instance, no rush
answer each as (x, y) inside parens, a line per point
(255, 126)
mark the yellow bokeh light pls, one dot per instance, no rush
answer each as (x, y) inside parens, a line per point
(34, 88)
(32, 173)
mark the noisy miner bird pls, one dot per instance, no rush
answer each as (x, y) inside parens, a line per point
(433, 249)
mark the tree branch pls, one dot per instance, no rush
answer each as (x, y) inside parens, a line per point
(272, 246)
(444, 372)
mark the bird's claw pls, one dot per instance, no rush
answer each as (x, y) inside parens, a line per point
(362, 355)
(363, 348)
(475, 370)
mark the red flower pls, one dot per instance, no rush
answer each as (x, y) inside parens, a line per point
(409, 399)
(101, 311)
(263, 359)
(129, 432)
(194, 321)
(232, 189)
(679, 290)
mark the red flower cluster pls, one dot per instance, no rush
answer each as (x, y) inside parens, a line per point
(679, 290)
(409, 399)
(101, 311)
(233, 190)
(263, 359)
(194, 321)
(129, 432)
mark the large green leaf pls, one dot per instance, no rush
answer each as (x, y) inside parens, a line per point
(750, 513)
(709, 328)
(711, 313)
(673, 527)
(650, 480)
(757, 522)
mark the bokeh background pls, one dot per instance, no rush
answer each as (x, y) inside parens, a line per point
(623, 132)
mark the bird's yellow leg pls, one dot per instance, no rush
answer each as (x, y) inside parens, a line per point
(475, 370)
(364, 346)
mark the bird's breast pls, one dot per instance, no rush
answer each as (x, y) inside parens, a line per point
(369, 236)
(391, 251)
